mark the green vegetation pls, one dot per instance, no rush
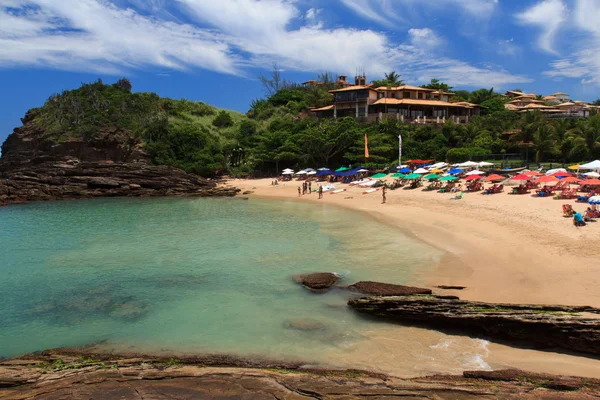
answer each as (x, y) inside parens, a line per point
(277, 131)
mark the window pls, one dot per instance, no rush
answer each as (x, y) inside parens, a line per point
(420, 95)
(406, 95)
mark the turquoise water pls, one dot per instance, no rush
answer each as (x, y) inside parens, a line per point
(189, 275)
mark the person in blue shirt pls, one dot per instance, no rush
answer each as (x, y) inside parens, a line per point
(578, 219)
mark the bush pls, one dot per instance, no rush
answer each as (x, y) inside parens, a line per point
(465, 153)
(123, 84)
(223, 120)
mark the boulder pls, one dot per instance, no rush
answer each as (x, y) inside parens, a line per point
(386, 289)
(572, 328)
(318, 282)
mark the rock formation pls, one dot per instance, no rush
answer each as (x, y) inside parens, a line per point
(57, 376)
(544, 326)
(35, 168)
(385, 289)
(318, 282)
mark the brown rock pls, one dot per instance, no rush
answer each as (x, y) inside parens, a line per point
(304, 325)
(450, 287)
(386, 289)
(318, 282)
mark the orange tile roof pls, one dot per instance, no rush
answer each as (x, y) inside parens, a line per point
(559, 94)
(404, 87)
(417, 102)
(329, 107)
(353, 87)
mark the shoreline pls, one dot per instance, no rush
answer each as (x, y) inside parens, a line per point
(502, 248)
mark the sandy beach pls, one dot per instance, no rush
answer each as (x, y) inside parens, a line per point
(502, 248)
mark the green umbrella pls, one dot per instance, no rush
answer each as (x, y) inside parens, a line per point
(413, 176)
(432, 176)
(342, 169)
(379, 176)
(397, 175)
(448, 178)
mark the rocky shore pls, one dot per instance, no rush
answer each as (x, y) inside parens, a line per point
(35, 168)
(69, 374)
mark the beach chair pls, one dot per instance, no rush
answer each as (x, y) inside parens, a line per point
(567, 210)
(566, 194)
(447, 188)
(458, 196)
(475, 186)
(544, 191)
(521, 189)
(491, 189)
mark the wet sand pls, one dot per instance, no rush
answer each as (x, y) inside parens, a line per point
(502, 248)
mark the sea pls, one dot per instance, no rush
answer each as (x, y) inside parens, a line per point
(185, 276)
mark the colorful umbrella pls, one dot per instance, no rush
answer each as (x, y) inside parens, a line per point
(573, 167)
(432, 177)
(534, 173)
(413, 176)
(494, 177)
(379, 176)
(472, 177)
(561, 173)
(546, 179)
(421, 171)
(570, 179)
(397, 175)
(521, 177)
(455, 171)
(342, 169)
(436, 171)
(592, 182)
(405, 170)
(594, 200)
(448, 178)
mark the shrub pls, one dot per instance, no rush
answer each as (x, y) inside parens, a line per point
(223, 120)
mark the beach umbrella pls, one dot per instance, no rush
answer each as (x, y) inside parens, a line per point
(413, 176)
(439, 165)
(324, 172)
(448, 178)
(547, 178)
(570, 179)
(592, 182)
(455, 171)
(432, 177)
(379, 176)
(323, 169)
(591, 165)
(436, 171)
(594, 200)
(534, 173)
(561, 173)
(342, 169)
(476, 172)
(311, 173)
(552, 171)
(405, 170)
(485, 164)
(363, 170)
(288, 170)
(574, 167)
(494, 177)
(303, 172)
(468, 164)
(287, 173)
(592, 175)
(421, 171)
(521, 177)
(472, 177)
(397, 175)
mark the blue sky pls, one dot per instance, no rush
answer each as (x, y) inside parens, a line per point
(213, 50)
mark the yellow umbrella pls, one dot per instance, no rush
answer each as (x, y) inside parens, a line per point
(436, 171)
(574, 167)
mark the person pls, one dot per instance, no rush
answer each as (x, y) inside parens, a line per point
(383, 199)
(303, 187)
(299, 191)
(309, 187)
(578, 219)
(456, 189)
(276, 182)
(320, 191)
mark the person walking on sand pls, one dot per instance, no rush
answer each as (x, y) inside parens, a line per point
(309, 187)
(320, 191)
(383, 198)
(299, 192)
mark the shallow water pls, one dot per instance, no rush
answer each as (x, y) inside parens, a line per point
(183, 276)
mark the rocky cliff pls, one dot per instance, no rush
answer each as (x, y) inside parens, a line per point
(35, 166)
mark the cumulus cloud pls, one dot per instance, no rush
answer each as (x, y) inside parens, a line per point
(229, 37)
(548, 16)
(508, 47)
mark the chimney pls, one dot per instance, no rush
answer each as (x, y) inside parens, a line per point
(360, 80)
(342, 79)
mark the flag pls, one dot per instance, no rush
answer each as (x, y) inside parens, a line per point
(366, 146)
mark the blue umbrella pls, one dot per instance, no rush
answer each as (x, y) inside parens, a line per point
(455, 171)
(405, 171)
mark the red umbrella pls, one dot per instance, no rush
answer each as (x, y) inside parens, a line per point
(547, 178)
(561, 173)
(570, 179)
(472, 177)
(592, 182)
(533, 173)
(521, 177)
(494, 177)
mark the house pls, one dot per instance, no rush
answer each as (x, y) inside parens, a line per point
(561, 96)
(552, 99)
(405, 103)
(515, 94)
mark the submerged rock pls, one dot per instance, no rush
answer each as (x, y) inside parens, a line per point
(546, 326)
(386, 289)
(304, 324)
(450, 287)
(318, 282)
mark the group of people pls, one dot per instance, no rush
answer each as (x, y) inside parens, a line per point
(306, 188)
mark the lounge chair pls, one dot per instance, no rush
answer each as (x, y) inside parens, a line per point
(567, 210)
(475, 186)
(544, 191)
(521, 189)
(566, 194)
(447, 188)
(458, 196)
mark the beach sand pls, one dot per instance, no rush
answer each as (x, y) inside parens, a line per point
(502, 248)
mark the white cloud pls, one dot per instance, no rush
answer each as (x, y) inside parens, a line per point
(312, 14)
(508, 47)
(229, 37)
(424, 38)
(548, 16)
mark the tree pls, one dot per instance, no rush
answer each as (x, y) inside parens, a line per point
(586, 136)
(274, 82)
(543, 141)
(123, 84)
(390, 80)
(481, 95)
(437, 85)
(564, 141)
(530, 123)
(493, 105)
(223, 120)
(461, 95)
(596, 102)
(317, 96)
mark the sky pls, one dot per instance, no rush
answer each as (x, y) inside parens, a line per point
(214, 50)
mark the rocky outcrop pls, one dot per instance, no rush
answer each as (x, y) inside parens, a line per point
(318, 282)
(543, 326)
(386, 289)
(59, 376)
(35, 168)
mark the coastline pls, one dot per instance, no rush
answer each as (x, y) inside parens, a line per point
(502, 248)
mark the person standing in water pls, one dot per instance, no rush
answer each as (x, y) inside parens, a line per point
(320, 191)
(383, 198)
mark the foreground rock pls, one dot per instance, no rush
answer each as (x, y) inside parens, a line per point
(60, 376)
(318, 282)
(569, 328)
(35, 168)
(386, 289)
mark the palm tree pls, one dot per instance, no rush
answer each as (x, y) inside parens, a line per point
(543, 141)
(481, 95)
(393, 79)
(587, 135)
(564, 141)
(530, 123)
